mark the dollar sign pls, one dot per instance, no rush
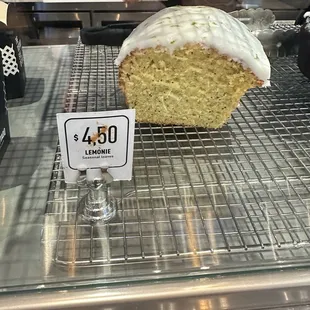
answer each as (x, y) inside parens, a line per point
(76, 137)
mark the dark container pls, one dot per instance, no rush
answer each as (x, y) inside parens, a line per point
(12, 57)
(4, 133)
(2, 91)
(4, 118)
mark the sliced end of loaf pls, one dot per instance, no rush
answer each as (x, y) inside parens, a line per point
(194, 86)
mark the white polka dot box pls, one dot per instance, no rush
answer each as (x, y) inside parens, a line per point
(12, 71)
(12, 64)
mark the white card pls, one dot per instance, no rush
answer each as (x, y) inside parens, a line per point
(90, 140)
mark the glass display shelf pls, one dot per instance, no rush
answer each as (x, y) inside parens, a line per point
(201, 203)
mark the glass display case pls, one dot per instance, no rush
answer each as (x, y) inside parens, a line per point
(212, 219)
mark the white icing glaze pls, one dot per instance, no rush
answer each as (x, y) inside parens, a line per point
(176, 26)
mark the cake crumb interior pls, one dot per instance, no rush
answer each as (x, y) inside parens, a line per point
(194, 86)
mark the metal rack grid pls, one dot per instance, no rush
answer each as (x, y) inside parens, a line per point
(285, 26)
(199, 199)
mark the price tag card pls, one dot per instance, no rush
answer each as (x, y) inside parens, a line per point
(97, 139)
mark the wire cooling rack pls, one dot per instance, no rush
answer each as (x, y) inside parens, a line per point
(199, 199)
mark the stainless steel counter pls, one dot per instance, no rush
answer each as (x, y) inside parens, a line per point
(275, 290)
(44, 22)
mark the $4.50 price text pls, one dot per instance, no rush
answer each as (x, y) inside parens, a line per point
(104, 134)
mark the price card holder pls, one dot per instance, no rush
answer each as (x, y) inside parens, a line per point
(97, 148)
(93, 140)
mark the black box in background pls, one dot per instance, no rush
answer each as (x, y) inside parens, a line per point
(2, 91)
(13, 64)
(12, 56)
(4, 133)
(4, 118)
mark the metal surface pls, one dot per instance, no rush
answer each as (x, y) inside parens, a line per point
(100, 19)
(105, 6)
(97, 204)
(82, 17)
(48, 22)
(59, 27)
(252, 291)
(276, 4)
(201, 201)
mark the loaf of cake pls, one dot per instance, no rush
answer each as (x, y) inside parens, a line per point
(190, 66)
